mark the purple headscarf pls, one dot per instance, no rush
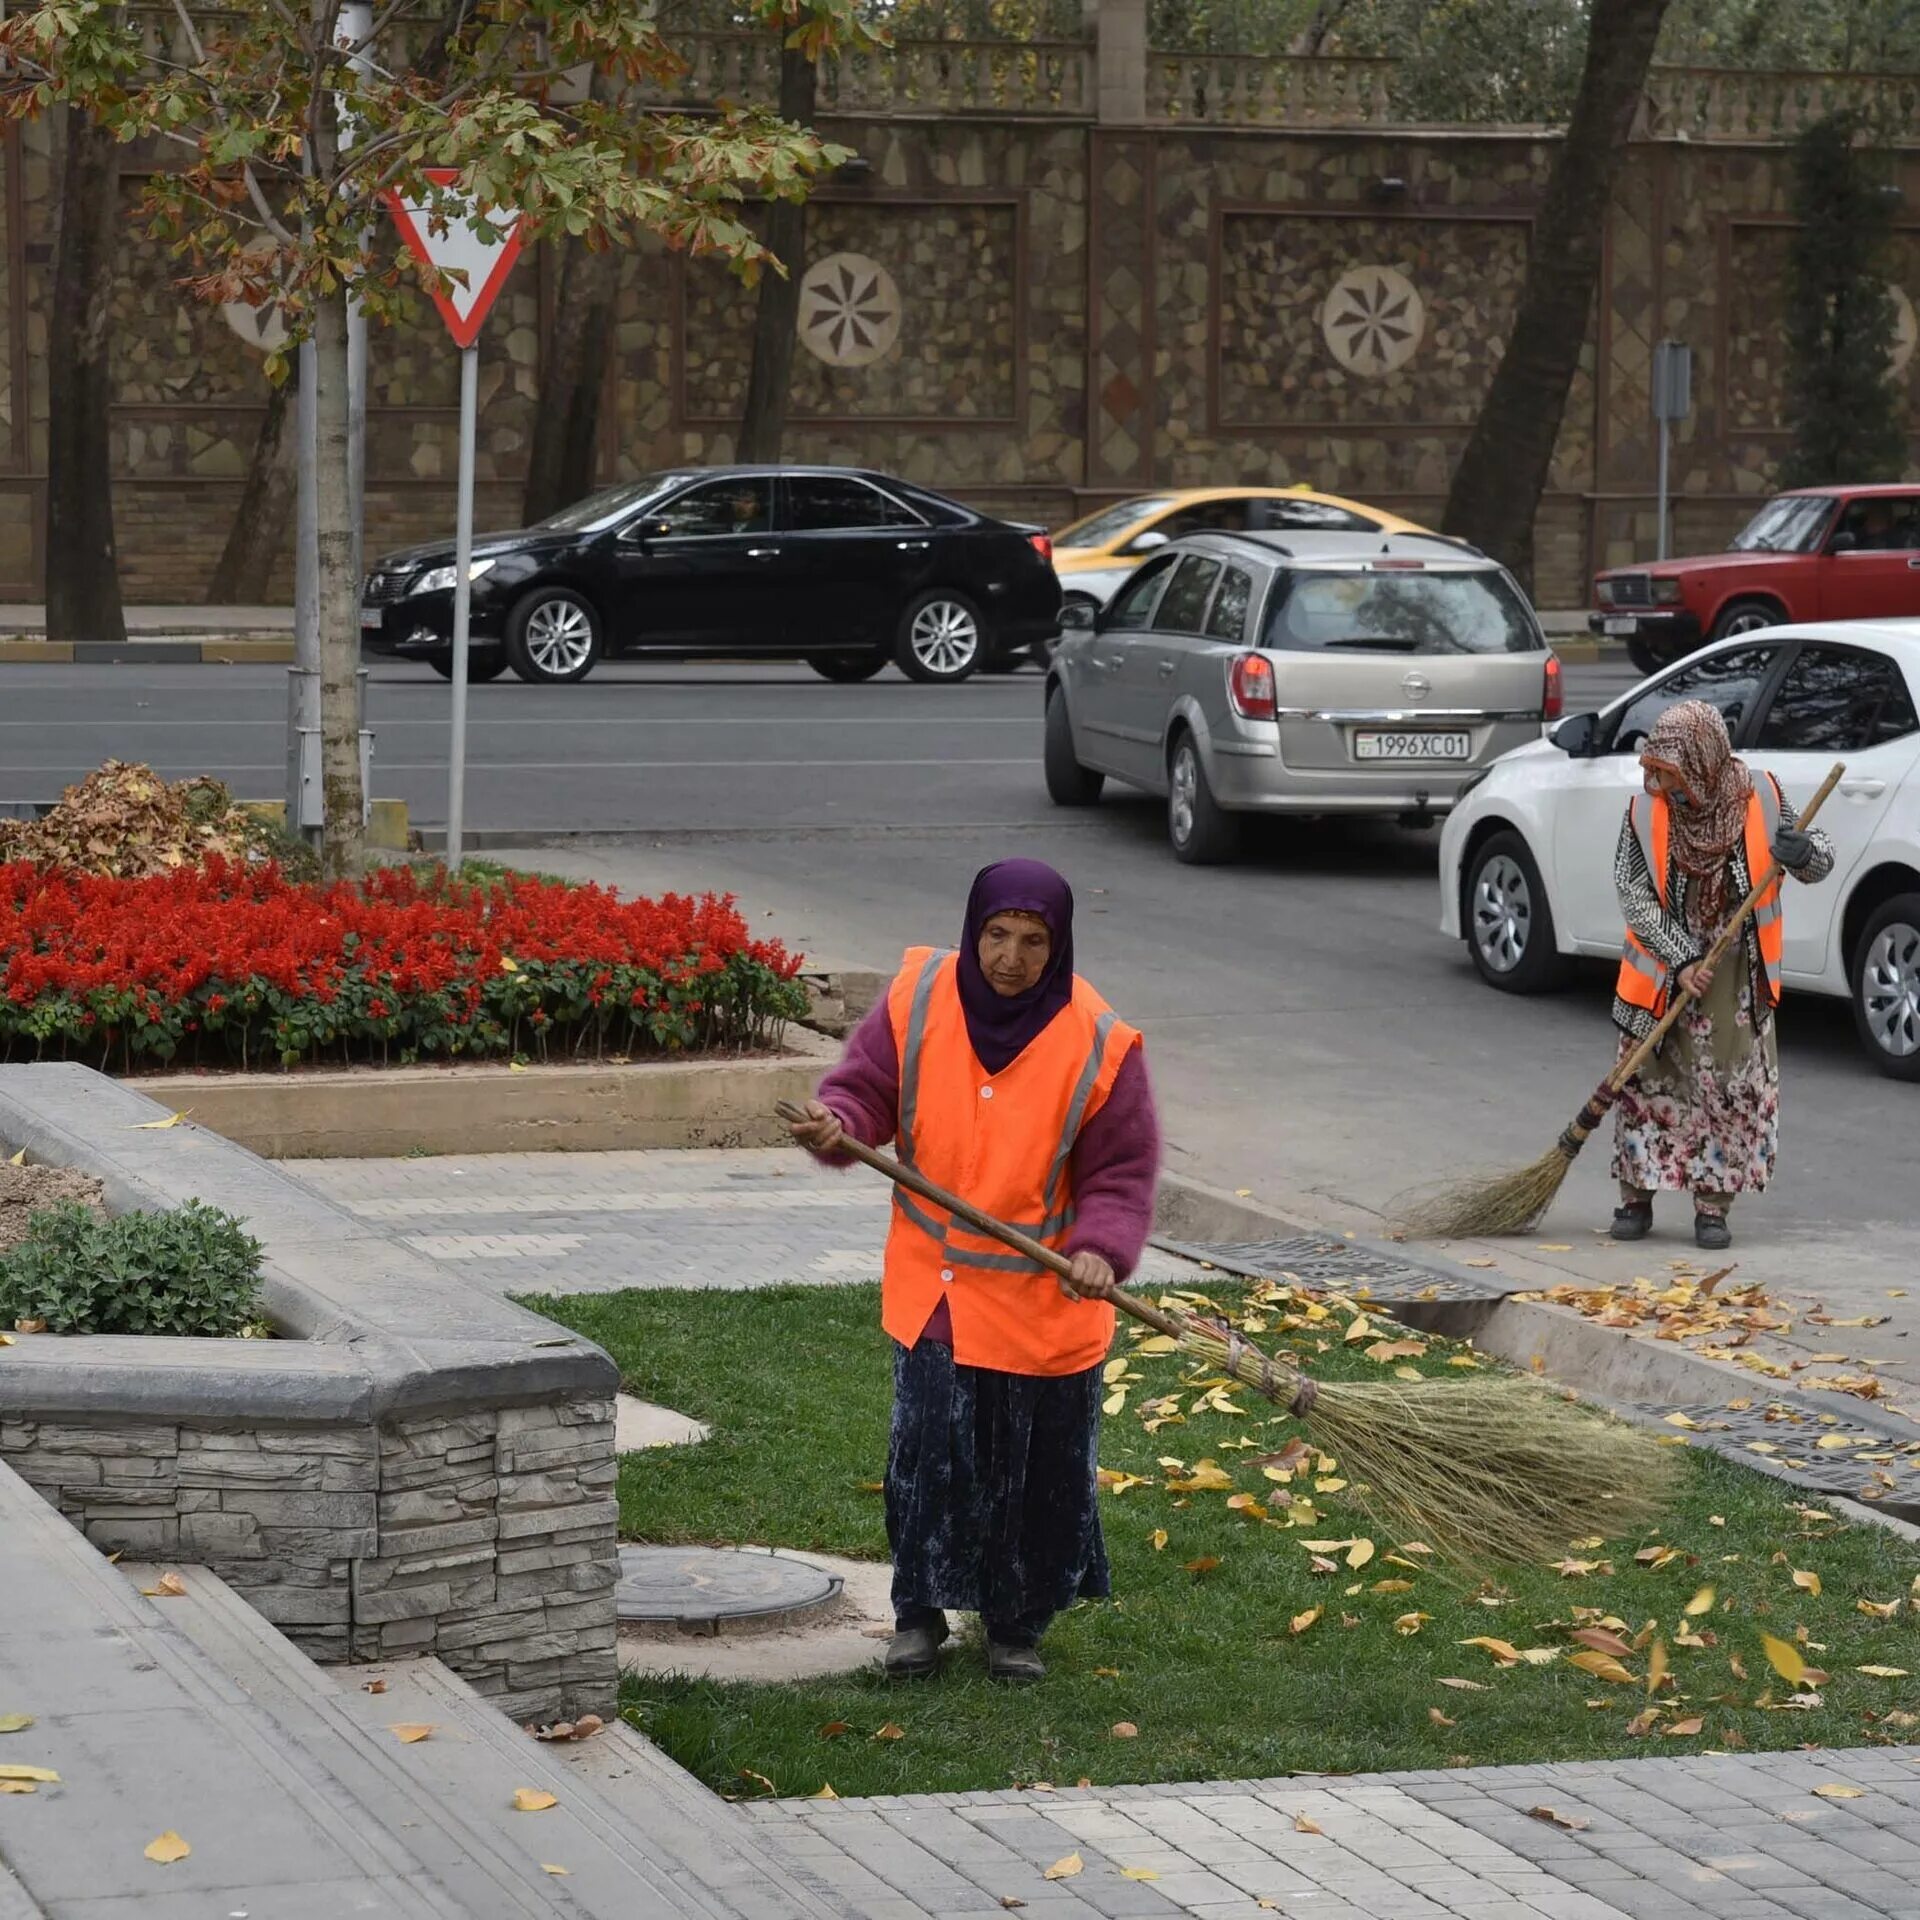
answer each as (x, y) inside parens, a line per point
(999, 1025)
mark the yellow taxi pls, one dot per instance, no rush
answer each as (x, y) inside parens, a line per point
(1095, 554)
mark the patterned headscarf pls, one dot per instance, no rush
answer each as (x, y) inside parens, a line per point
(1706, 819)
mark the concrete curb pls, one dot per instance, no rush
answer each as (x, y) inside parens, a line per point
(183, 650)
(388, 1113)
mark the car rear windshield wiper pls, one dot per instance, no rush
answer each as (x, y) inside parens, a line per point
(1372, 643)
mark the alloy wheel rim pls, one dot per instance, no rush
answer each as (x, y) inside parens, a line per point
(1747, 623)
(1502, 913)
(559, 636)
(945, 637)
(1180, 803)
(1890, 990)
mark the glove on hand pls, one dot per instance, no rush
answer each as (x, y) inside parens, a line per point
(1792, 848)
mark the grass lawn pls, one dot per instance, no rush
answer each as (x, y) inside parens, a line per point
(1224, 1650)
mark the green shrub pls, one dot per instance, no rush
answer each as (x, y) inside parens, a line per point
(193, 1270)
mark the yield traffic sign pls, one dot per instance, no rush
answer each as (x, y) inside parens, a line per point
(457, 249)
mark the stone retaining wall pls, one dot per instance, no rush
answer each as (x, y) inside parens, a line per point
(414, 1467)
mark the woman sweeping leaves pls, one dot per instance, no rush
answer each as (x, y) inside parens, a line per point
(1007, 1080)
(1703, 1116)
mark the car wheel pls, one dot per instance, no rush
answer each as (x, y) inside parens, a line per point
(1509, 925)
(1886, 988)
(1646, 657)
(1745, 616)
(942, 638)
(483, 663)
(553, 637)
(1203, 834)
(1069, 784)
(846, 667)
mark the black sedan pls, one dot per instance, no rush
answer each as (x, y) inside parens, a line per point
(844, 569)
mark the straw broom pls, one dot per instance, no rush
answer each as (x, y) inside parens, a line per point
(1511, 1203)
(1485, 1469)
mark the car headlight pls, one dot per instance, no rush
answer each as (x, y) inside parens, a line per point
(1603, 592)
(440, 579)
(1666, 593)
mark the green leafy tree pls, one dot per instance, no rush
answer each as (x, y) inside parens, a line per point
(285, 135)
(1848, 413)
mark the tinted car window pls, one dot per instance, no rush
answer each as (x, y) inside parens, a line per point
(1837, 700)
(1882, 523)
(1183, 608)
(1133, 605)
(1399, 613)
(719, 507)
(1111, 522)
(1205, 516)
(1307, 515)
(818, 503)
(1228, 619)
(1794, 523)
(611, 504)
(1729, 681)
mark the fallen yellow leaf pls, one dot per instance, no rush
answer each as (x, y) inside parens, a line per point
(1066, 1868)
(168, 1848)
(1411, 1623)
(1124, 1730)
(1206, 1478)
(1305, 1823)
(1573, 1822)
(45, 1775)
(1159, 1538)
(1807, 1582)
(1138, 1873)
(547, 1866)
(891, 1731)
(1603, 1666)
(1302, 1621)
(1784, 1659)
(826, 1792)
(15, 1722)
(1502, 1650)
(1838, 1792)
(168, 1587)
(19, 1159)
(1467, 1686)
(17, 1786)
(158, 1126)
(1884, 1673)
(1656, 1667)
(1702, 1602)
(1682, 1420)
(410, 1733)
(1359, 1553)
(1682, 1728)
(1159, 1343)
(533, 1800)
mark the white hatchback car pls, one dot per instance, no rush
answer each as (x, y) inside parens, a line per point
(1526, 858)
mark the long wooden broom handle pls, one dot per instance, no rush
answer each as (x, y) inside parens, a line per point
(1639, 1057)
(1041, 1255)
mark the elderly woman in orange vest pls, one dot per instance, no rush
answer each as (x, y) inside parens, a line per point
(1006, 1079)
(1703, 1116)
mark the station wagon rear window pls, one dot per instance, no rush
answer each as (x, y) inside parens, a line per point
(1399, 613)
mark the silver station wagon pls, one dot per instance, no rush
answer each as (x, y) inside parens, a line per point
(1311, 673)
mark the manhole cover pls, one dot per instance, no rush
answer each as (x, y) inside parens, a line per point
(705, 1589)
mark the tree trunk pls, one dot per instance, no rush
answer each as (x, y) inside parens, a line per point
(564, 463)
(1503, 472)
(244, 576)
(83, 574)
(763, 419)
(338, 596)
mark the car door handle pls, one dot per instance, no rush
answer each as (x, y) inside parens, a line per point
(1863, 789)
(763, 553)
(1113, 662)
(913, 546)
(1166, 669)
(1913, 565)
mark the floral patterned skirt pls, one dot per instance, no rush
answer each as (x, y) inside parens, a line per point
(1703, 1115)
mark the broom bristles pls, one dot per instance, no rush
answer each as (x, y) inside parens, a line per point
(1506, 1203)
(1486, 1469)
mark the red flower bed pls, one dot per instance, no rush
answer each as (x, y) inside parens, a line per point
(225, 965)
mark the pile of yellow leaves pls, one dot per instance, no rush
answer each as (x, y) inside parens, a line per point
(125, 822)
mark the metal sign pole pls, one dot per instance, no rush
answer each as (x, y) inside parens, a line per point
(462, 594)
(1666, 436)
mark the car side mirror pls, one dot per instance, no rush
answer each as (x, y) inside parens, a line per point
(1845, 543)
(1148, 542)
(641, 531)
(1079, 616)
(1578, 735)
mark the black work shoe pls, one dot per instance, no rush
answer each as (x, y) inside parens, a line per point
(1018, 1666)
(1634, 1222)
(1710, 1230)
(914, 1652)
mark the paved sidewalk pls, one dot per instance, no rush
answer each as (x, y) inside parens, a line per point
(1734, 1837)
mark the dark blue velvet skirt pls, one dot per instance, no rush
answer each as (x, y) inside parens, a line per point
(991, 1492)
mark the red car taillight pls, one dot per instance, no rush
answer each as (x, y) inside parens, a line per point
(1250, 687)
(1042, 544)
(1556, 698)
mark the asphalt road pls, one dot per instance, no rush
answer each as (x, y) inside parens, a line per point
(1313, 1037)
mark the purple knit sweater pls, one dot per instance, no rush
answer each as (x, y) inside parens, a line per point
(1115, 1163)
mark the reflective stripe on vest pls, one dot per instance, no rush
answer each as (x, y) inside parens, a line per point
(1644, 980)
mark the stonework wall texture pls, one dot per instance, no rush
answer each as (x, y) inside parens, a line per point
(1050, 313)
(486, 1539)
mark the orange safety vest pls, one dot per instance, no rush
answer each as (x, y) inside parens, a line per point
(1002, 1141)
(1644, 981)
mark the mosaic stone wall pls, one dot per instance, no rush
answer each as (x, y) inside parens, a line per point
(1038, 316)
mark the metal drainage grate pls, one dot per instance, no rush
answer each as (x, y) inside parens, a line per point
(1325, 1265)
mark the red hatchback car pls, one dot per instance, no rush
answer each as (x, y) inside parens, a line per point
(1822, 553)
